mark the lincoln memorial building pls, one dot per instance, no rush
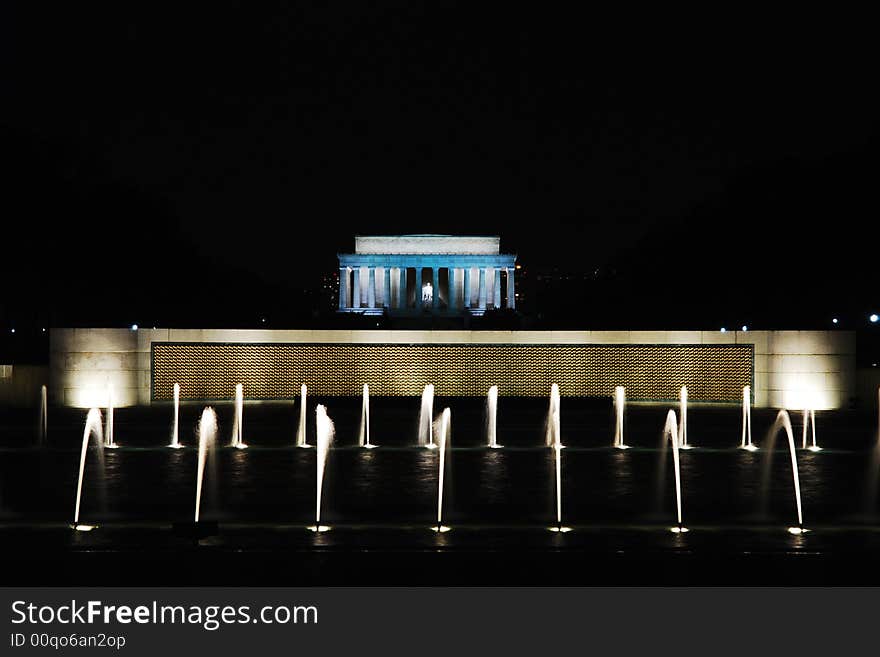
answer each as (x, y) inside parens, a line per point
(413, 274)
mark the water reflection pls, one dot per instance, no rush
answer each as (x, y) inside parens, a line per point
(494, 476)
(621, 474)
(746, 471)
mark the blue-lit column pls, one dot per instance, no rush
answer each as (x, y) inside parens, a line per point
(482, 297)
(343, 287)
(511, 291)
(371, 289)
(451, 300)
(496, 292)
(467, 287)
(356, 286)
(401, 287)
(435, 286)
(386, 286)
(419, 302)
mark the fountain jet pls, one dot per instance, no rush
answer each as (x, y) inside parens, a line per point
(672, 431)
(175, 426)
(324, 438)
(810, 421)
(619, 407)
(301, 431)
(683, 419)
(554, 440)
(108, 429)
(238, 421)
(746, 442)
(364, 439)
(557, 449)
(783, 422)
(92, 428)
(426, 418)
(443, 440)
(207, 437)
(553, 424)
(492, 417)
(43, 430)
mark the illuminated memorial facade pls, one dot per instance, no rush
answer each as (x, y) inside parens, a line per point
(437, 274)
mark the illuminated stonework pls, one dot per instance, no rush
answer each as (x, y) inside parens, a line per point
(792, 369)
(712, 373)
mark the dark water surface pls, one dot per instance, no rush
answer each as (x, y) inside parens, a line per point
(499, 503)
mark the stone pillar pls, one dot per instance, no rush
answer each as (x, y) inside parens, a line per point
(482, 296)
(435, 286)
(401, 287)
(386, 287)
(343, 287)
(371, 289)
(356, 289)
(511, 292)
(451, 300)
(496, 292)
(467, 287)
(419, 287)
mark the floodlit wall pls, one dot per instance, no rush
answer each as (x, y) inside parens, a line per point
(791, 369)
(85, 364)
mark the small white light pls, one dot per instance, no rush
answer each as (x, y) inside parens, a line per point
(834, 321)
(134, 327)
(44, 330)
(12, 331)
(723, 330)
(874, 318)
(745, 328)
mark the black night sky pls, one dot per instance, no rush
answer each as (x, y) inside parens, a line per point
(204, 167)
